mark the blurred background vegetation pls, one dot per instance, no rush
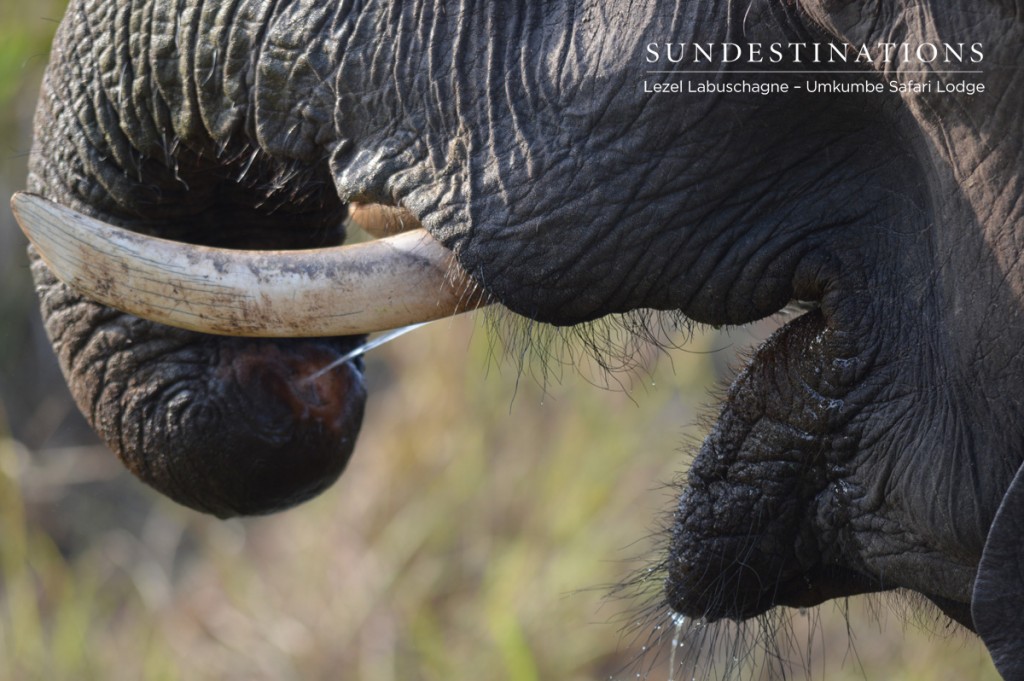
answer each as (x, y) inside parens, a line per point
(477, 534)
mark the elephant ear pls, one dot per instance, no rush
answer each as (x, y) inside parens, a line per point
(998, 602)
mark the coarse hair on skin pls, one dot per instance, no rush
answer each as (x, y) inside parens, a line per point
(783, 643)
(612, 353)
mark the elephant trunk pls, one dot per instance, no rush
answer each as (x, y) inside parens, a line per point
(123, 134)
(228, 426)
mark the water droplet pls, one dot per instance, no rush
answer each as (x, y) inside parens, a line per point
(366, 347)
(679, 620)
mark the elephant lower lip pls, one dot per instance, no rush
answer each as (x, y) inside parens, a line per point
(801, 591)
(808, 591)
(753, 528)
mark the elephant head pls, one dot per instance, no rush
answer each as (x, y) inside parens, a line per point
(873, 443)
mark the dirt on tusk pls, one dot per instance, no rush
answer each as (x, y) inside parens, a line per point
(346, 290)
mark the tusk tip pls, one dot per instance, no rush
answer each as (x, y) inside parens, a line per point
(36, 215)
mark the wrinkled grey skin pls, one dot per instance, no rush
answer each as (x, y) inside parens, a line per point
(868, 446)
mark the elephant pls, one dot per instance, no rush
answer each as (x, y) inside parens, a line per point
(569, 160)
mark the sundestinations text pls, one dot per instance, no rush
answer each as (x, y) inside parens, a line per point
(814, 53)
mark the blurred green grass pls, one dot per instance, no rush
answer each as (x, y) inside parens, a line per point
(476, 534)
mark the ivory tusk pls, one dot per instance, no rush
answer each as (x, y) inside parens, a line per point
(340, 291)
(380, 221)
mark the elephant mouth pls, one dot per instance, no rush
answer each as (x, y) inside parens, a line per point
(403, 278)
